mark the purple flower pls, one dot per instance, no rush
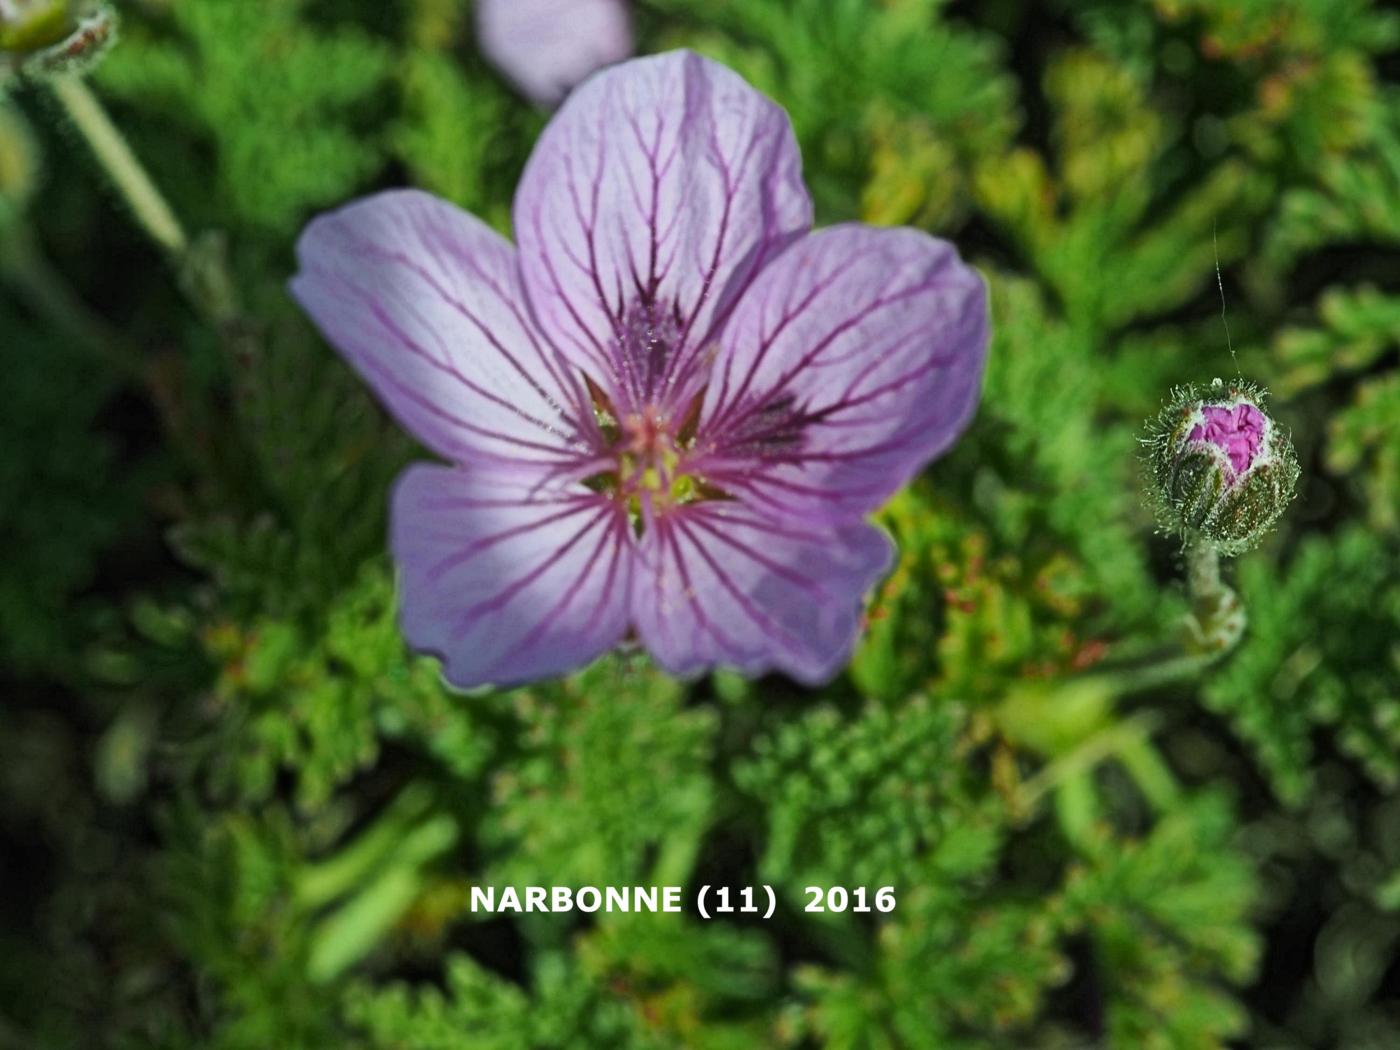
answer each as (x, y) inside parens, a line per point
(670, 409)
(1238, 432)
(546, 47)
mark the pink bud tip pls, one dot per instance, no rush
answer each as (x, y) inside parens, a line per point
(1239, 431)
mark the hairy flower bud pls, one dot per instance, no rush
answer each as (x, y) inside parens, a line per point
(1222, 468)
(26, 25)
(53, 37)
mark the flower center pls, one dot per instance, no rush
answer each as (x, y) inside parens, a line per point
(649, 461)
(650, 447)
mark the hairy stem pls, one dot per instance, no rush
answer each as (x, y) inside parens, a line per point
(200, 263)
(1202, 570)
(130, 178)
(1217, 619)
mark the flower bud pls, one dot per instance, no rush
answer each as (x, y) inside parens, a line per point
(53, 37)
(1223, 470)
(27, 25)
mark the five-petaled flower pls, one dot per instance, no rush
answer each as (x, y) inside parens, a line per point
(669, 410)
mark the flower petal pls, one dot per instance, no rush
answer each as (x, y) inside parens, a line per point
(721, 584)
(548, 46)
(425, 302)
(852, 361)
(652, 198)
(508, 581)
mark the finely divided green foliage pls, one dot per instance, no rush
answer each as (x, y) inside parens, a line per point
(858, 81)
(614, 752)
(272, 94)
(242, 815)
(1323, 656)
(1162, 913)
(862, 802)
(53, 470)
(481, 1009)
(355, 690)
(1359, 327)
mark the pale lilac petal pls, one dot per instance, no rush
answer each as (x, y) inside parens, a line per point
(718, 584)
(656, 193)
(425, 302)
(853, 360)
(504, 580)
(547, 46)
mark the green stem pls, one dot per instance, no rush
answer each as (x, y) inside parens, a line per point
(1202, 570)
(1217, 619)
(49, 295)
(1106, 743)
(1216, 624)
(109, 147)
(200, 264)
(322, 882)
(351, 932)
(1180, 667)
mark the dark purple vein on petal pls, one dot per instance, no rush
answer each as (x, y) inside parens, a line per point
(760, 618)
(408, 343)
(409, 393)
(615, 533)
(785, 572)
(374, 251)
(688, 591)
(791, 312)
(466, 619)
(460, 557)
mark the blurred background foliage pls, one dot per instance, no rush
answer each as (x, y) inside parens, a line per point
(235, 813)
